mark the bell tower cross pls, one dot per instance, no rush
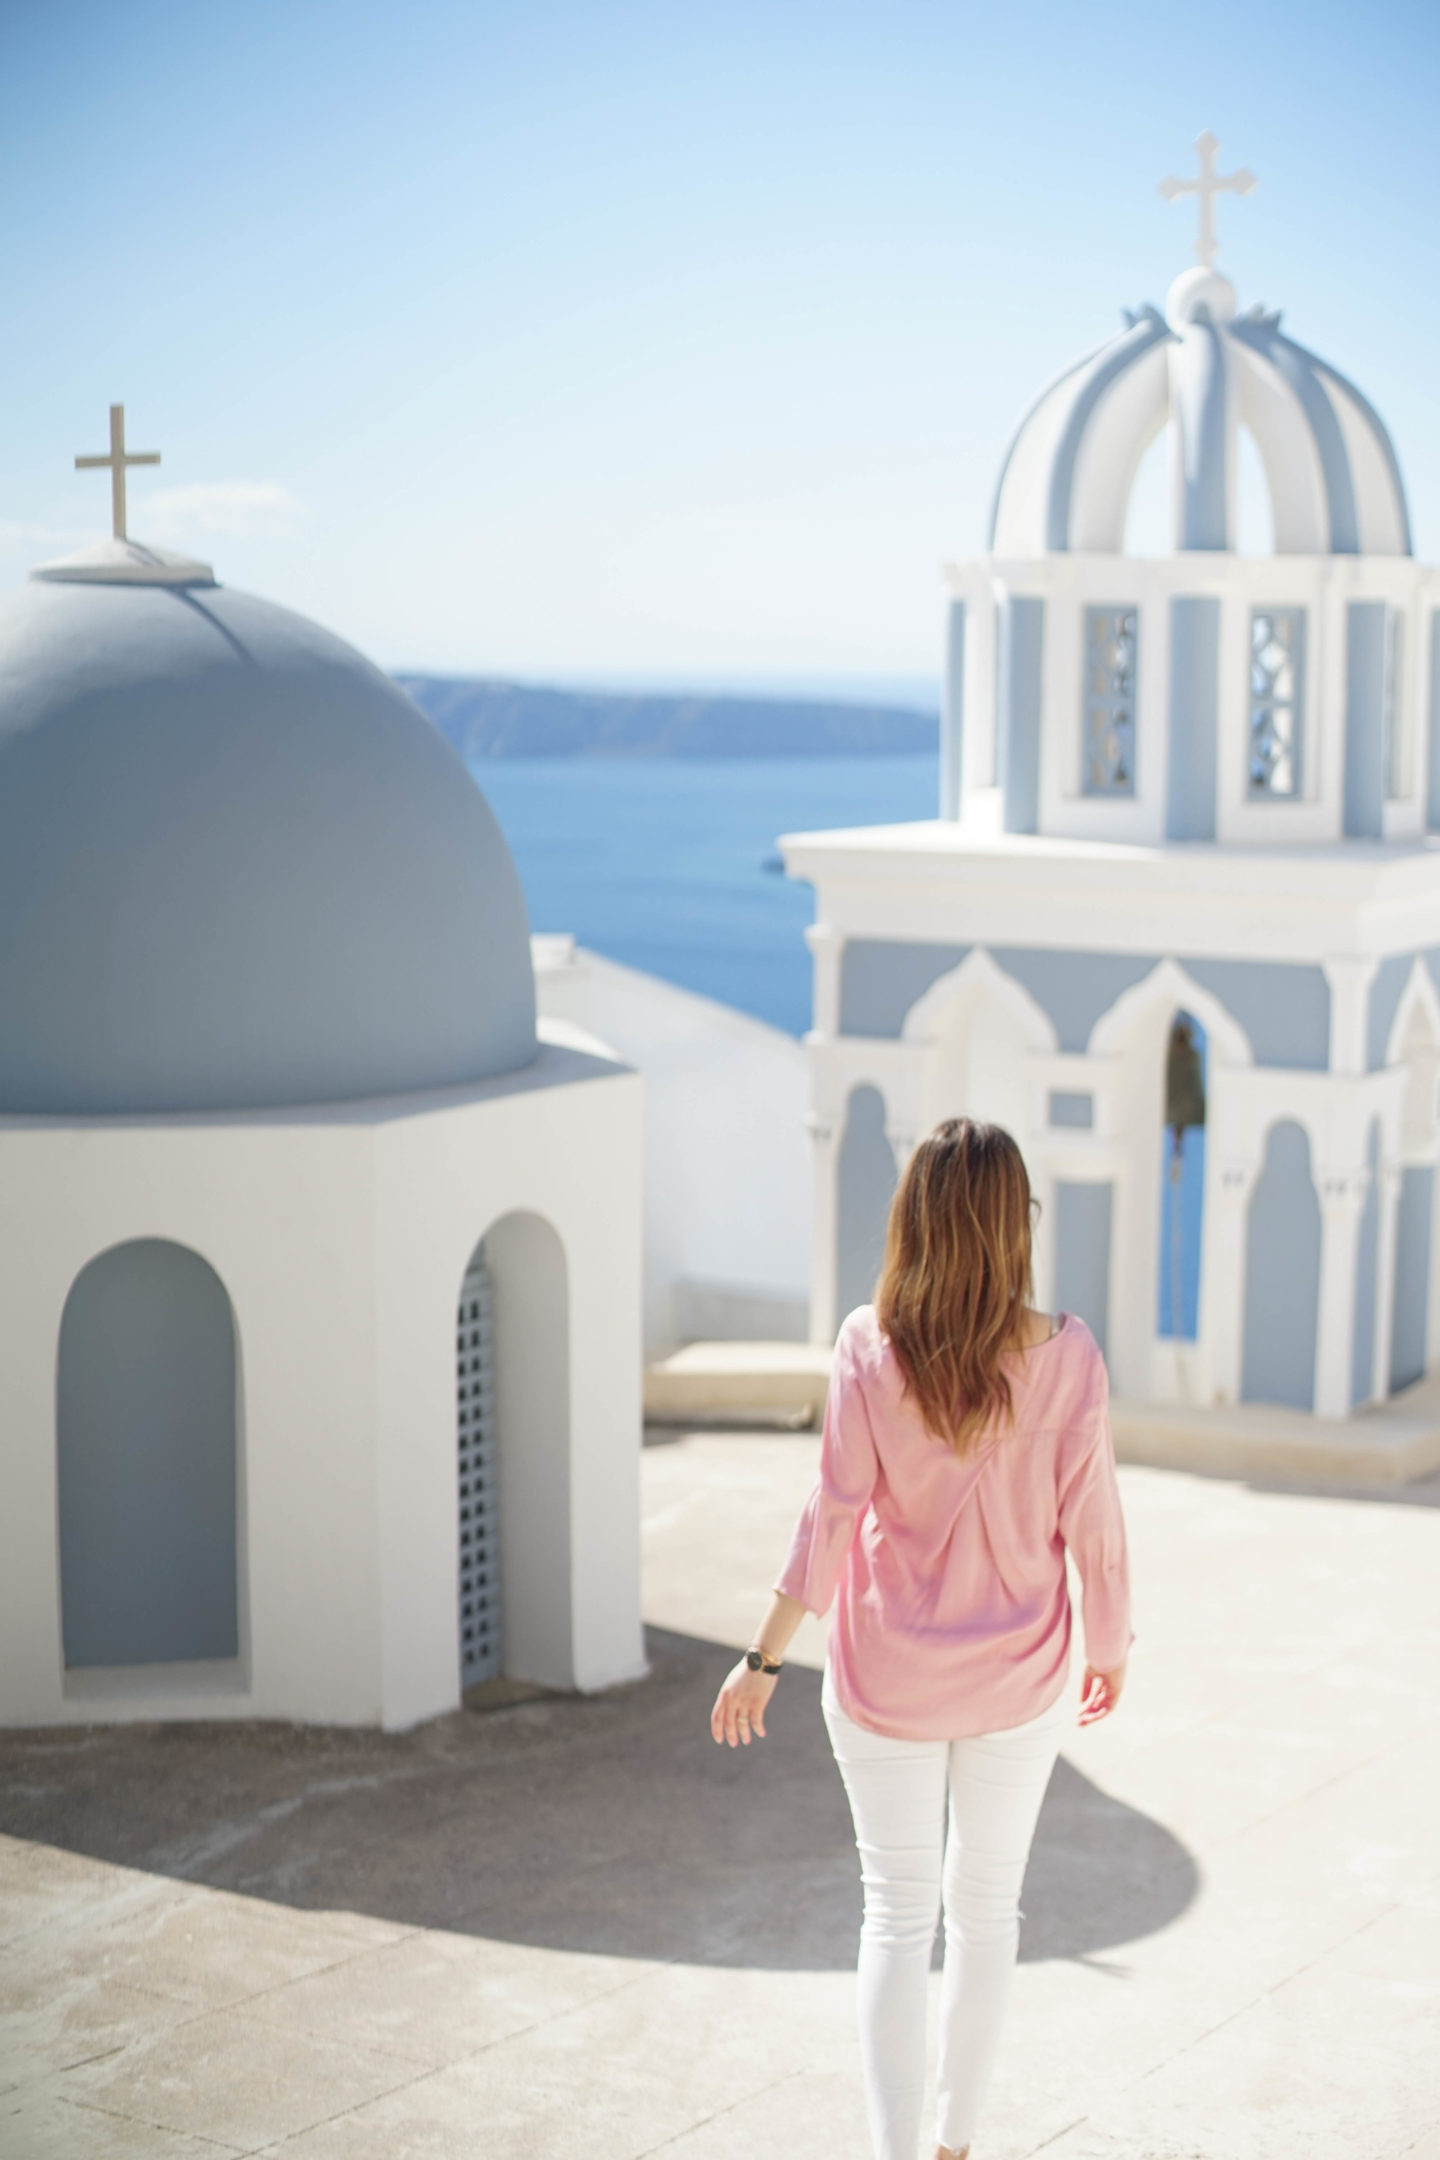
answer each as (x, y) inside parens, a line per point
(1207, 186)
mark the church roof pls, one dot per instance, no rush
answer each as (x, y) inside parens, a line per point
(1334, 481)
(238, 868)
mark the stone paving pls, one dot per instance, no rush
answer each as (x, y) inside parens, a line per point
(573, 1926)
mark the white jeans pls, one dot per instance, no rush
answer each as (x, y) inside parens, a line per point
(908, 1863)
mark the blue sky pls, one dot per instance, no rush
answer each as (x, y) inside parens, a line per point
(655, 342)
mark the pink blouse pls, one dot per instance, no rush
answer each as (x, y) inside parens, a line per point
(953, 1611)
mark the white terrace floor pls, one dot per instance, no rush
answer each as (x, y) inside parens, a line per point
(574, 1928)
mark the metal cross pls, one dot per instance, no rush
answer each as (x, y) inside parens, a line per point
(1207, 187)
(117, 462)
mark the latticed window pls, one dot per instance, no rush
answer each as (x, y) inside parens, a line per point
(1109, 709)
(1277, 661)
(1397, 745)
(479, 1530)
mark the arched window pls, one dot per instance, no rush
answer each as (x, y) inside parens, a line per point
(866, 1185)
(1082, 1237)
(1419, 1052)
(145, 1421)
(1367, 1263)
(1276, 743)
(1282, 1275)
(1399, 762)
(1107, 706)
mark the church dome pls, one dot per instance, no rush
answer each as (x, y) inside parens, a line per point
(239, 870)
(1206, 370)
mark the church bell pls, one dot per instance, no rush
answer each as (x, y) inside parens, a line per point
(1184, 1080)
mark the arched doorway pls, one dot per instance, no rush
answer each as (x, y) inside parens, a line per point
(1182, 1183)
(513, 1457)
(866, 1177)
(1282, 1275)
(147, 1460)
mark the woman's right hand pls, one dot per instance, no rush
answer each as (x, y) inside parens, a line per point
(739, 1712)
(1099, 1693)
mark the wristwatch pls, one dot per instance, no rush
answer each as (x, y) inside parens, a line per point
(758, 1662)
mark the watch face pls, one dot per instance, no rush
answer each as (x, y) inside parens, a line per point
(754, 1660)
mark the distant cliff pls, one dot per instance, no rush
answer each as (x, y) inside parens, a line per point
(505, 719)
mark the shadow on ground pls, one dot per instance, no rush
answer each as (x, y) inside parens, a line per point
(609, 1824)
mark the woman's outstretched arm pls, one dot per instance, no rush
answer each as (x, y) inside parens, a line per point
(739, 1712)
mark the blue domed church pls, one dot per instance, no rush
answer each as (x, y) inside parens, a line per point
(1177, 924)
(319, 1263)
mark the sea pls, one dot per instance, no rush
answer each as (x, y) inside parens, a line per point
(671, 865)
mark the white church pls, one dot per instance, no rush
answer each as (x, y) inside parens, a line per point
(1186, 814)
(320, 1263)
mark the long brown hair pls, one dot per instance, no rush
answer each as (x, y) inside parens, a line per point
(956, 1279)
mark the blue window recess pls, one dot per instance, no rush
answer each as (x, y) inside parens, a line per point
(1182, 1180)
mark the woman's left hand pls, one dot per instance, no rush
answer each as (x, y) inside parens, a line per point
(739, 1712)
(1099, 1693)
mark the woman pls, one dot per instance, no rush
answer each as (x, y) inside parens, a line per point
(966, 1449)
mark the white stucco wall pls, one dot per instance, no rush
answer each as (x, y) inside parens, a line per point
(341, 1237)
(727, 1155)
